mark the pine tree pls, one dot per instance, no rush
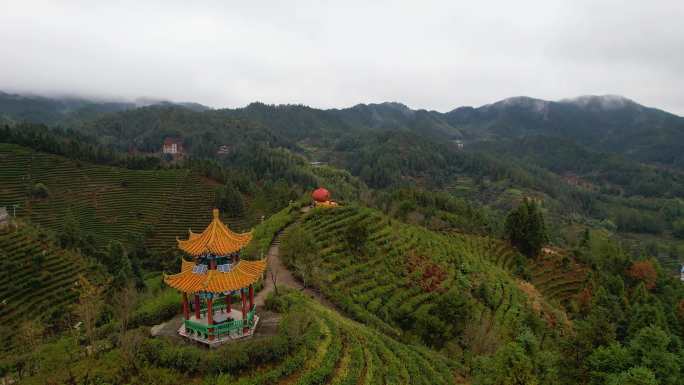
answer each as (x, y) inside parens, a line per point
(525, 228)
(230, 201)
(119, 264)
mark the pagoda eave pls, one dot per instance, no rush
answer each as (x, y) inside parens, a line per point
(242, 275)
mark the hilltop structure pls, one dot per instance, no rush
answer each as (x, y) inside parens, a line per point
(213, 278)
(321, 198)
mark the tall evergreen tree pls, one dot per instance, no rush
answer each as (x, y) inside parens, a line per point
(230, 201)
(119, 264)
(525, 228)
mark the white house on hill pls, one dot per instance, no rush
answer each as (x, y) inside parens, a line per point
(172, 146)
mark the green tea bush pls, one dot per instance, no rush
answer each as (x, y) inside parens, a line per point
(156, 309)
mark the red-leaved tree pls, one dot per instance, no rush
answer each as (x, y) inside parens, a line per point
(645, 272)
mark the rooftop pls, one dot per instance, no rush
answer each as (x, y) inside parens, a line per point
(193, 280)
(216, 239)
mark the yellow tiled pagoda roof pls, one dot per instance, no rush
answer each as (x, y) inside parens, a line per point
(216, 239)
(242, 275)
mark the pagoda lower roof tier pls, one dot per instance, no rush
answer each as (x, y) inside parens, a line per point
(216, 239)
(243, 274)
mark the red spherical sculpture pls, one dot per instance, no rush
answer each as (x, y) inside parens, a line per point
(321, 195)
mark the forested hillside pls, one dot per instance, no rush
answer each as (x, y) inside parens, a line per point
(604, 123)
(515, 148)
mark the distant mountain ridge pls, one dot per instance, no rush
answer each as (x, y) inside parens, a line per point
(608, 123)
(52, 110)
(604, 123)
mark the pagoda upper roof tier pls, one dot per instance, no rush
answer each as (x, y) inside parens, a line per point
(216, 239)
(243, 274)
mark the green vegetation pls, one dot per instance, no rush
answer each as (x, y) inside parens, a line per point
(402, 279)
(107, 203)
(37, 282)
(525, 228)
(313, 345)
(267, 230)
(441, 285)
(504, 317)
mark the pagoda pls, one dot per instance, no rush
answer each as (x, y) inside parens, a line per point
(213, 277)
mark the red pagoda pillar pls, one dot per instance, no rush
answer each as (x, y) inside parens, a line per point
(210, 316)
(197, 306)
(251, 297)
(244, 311)
(186, 309)
(229, 298)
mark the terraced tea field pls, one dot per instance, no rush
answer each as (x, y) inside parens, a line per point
(37, 279)
(407, 272)
(555, 274)
(108, 202)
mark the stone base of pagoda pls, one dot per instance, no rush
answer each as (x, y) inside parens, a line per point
(195, 329)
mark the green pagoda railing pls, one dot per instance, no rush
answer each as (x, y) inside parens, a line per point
(215, 307)
(203, 331)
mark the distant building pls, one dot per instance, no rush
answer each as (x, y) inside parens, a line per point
(224, 149)
(4, 217)
(173, 146)
(317, 164)
(459, 144)
(574, 180)
(681, 274)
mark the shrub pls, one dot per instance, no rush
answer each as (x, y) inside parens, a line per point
(40, 191)
(154, 310)
(280, 303)
(678, 229)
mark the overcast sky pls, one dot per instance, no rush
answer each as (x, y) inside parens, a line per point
(426, 54)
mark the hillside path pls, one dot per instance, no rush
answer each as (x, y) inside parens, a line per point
(284, 276)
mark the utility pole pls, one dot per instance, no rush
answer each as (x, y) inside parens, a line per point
(14, 209)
